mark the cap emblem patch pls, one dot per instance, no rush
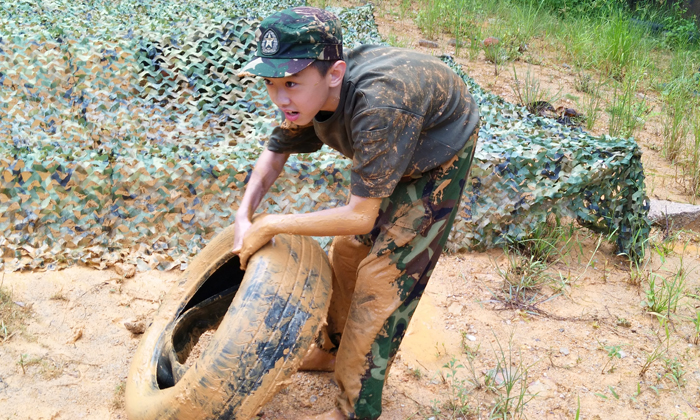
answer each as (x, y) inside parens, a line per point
(270, 43)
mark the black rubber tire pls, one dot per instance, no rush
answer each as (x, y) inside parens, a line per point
(267, 318)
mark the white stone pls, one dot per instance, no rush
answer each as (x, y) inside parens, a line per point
(677, 215)
(455, 309)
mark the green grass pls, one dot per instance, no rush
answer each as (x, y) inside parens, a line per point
(523, 279)
(676, 124)
(12, 316)
(526, 271)
(471, 354)
(529, 92)
(693, 166)
(457, 404)
(620, 45)
(118, 398)
(505, 383)
(664, 294)
(508, 382)
(613, 352)
(674, 371)
(592, 104)
(629, 56)
(652, 357)
(627, 111)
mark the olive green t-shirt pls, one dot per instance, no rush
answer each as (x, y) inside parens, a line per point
(401, 113)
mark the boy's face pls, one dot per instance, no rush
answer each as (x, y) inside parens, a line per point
(302, 95)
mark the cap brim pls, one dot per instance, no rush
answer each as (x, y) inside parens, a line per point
(275, 67)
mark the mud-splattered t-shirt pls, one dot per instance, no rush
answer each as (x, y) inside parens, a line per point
(401, 113)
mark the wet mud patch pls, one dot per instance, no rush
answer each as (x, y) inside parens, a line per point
(197, 350)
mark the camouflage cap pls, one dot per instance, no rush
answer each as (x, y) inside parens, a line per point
(292, 39)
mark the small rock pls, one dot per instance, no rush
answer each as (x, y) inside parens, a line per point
(126, 270)
(564, 351)
(453, 43)
(566, 66)
(675, 215)
(24, 305)
(313, 399)
(622, 354)
(77, 335)
(470, 337)
(499, 376)
(455, 309)
(490, 41)
(428, 44)
(540, 389)
(135, 326)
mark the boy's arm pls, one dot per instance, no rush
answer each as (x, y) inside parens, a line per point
(265, 172)
(355, 218)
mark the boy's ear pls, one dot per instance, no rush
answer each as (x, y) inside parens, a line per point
(336, 73)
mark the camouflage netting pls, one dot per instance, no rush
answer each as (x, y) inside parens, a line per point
(125, 135)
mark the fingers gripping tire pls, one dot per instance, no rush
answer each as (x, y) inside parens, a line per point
(267, 318)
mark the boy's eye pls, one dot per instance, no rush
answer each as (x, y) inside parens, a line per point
(290, 84)
(267, 81)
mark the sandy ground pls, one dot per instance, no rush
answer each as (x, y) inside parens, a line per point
(70, 359)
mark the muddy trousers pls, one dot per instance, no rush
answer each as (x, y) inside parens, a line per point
(380, 277)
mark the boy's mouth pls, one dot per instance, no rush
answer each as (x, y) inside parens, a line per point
(291, 115)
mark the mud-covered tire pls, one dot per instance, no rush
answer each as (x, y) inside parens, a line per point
(267, 318)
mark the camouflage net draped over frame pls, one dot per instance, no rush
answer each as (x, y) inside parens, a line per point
(125, 135)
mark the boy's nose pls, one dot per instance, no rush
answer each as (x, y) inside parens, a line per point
(282, 98)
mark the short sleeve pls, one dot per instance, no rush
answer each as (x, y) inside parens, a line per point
(290, 138)
(384, 140)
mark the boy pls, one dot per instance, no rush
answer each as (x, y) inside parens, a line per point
(409, 125)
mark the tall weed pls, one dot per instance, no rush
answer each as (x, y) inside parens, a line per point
(619, 44)
(676, 128)
(580, 38)
(529, 19)
(662, 298)
(529, 92)
(446, 16)
(680, 98)
(627, 112)
(11, 315)
(508, 381)
(591, 104)
(694, 156)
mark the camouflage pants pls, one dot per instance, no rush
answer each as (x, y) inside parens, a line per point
(380, 277)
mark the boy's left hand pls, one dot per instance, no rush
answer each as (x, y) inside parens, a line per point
(255, 238)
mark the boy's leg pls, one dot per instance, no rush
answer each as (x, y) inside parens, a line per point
(412, 228)
(345, 255)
